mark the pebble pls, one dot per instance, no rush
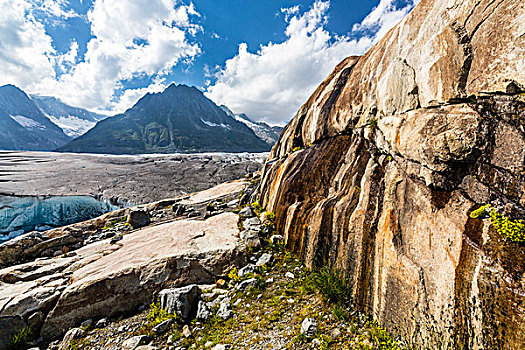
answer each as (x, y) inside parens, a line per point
(102, 323)
(186, 331)
(246, 212)
(289, 275)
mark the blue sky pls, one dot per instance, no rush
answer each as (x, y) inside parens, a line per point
(262, 58)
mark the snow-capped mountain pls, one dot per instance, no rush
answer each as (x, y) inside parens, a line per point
(23, 126)
(72, 120)
(179, 119)
(268, 133)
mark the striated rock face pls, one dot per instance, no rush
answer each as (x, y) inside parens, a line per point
(396, 148)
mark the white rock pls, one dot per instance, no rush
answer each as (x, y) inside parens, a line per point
(265, 259)
(309, 327)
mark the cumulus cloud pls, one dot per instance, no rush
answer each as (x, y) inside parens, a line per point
(272, 83)
(27, 55)
(131, 39)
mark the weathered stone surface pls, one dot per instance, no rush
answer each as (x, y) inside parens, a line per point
(250, 238)
(309, 327)
(400, 145)
(182, 300)
(106, 279)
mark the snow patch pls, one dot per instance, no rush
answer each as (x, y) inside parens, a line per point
(28, 123)
(213, 124)
(72, 125)
(248, 123)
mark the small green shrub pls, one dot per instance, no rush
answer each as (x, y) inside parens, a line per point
(233, 275)
(381, 339)
(334, 289)
(20, 339)
(155, 316)
(296, 149)
(257, 208)
(481, 212)
(513, 230)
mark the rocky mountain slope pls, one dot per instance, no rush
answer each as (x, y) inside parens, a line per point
(72, 120)
(379, 171)
(180, 119)
(23, 126)
(268, 133)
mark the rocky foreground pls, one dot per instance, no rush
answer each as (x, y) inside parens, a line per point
(204, 271)
(134, 179)
(113, 264)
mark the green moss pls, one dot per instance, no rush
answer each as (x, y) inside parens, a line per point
(296, 149)
(481, 212)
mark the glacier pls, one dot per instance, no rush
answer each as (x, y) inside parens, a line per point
(19, 215)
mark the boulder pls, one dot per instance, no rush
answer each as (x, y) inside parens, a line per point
(162, 327)
(246, 284)
(252, 223)
(135, 342)
(182, 301)
(203, 311)
(138, 217)
(246, 212)
(264, 259)
(250, 268)
(225, 309)
(251, 238)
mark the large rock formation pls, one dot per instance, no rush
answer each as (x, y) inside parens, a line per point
(379, 170)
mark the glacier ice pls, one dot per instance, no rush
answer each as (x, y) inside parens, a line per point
(24, 214)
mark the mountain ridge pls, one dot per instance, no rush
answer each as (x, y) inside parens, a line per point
(179, 119)
(24, 126)
(74, 121)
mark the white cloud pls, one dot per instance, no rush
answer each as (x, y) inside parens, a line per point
(383, 17)
(26, 52)
(132, 38)
(272, 83)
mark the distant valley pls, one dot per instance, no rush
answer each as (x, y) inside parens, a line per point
(180, 119)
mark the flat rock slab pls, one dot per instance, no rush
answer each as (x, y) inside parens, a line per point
(134, 179)
(106, 279)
